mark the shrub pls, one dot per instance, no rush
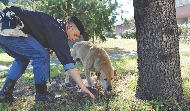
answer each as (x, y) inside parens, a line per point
(110, 35)
(184, 30)
(129, 34)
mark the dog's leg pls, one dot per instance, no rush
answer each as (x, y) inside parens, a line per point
(67, 77)
(89, 79)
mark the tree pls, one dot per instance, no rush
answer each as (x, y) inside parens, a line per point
(158, 50)
(97, 15)
(5, 2)
(129, 22)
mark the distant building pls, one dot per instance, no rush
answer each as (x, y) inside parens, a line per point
(119, 27)
(183, 11)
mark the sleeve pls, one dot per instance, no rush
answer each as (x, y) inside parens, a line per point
(59, 44)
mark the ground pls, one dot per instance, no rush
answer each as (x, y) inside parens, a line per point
(72, 96)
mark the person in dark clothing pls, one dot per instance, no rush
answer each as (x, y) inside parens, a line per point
(28, 35)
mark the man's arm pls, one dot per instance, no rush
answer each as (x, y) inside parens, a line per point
(76, 76)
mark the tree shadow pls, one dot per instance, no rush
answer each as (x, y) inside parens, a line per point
(116, 50)
(70, 98)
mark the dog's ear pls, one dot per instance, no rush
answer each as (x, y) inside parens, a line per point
(115, 73)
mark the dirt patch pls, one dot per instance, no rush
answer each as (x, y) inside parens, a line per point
(56, 87)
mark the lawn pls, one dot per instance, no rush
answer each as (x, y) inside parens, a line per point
(122, 98)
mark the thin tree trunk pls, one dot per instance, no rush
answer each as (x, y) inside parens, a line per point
(158, 50)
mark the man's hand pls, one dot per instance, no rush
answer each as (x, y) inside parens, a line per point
(85, 90)
(76, 76)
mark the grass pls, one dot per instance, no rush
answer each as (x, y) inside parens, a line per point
(5, 59)
(116, 46)
(122, 98)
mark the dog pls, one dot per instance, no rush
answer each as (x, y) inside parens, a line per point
(94, 59)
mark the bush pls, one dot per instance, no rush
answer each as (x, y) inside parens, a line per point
(110, 35)
(129, 34)
(184, 30)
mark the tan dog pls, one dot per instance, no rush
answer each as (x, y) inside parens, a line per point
(94, 59)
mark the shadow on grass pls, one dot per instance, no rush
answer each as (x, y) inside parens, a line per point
(115, 50)
(171, 106)
(5, 63)
(71, 99)
(74, 103)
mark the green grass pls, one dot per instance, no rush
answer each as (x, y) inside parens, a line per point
(1, 50)
(5, 59)
(121, 99)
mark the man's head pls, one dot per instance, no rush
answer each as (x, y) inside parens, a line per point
(74, 28)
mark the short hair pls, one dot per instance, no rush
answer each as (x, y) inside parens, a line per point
(77, 22)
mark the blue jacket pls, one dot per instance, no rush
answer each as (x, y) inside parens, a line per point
(48, 31)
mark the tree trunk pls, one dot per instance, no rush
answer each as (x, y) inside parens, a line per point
(158, 50)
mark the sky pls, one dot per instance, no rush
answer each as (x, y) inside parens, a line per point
(127, 7)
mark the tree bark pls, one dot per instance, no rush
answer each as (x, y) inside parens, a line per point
(158, 50)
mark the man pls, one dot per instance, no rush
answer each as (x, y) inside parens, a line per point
(28, 36)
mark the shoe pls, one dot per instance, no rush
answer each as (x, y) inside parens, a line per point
(7, 91)
(42, 94)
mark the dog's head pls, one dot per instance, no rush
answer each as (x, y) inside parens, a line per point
(106, 76)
